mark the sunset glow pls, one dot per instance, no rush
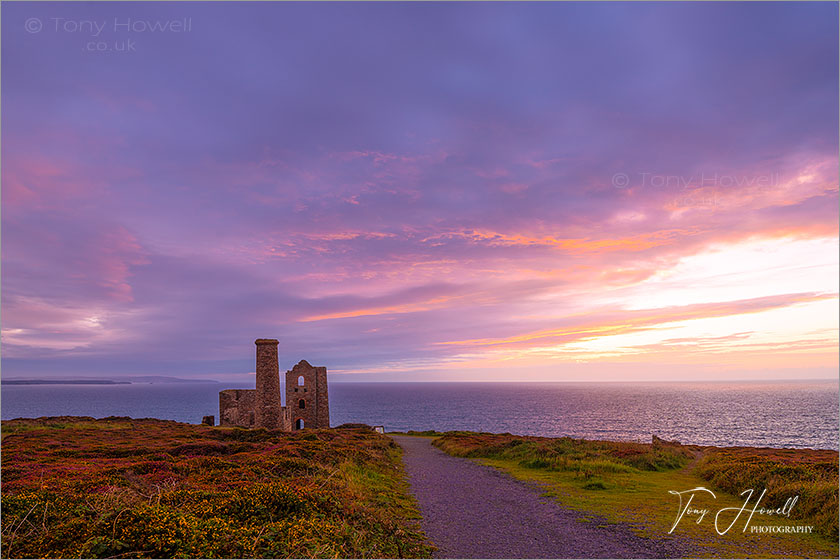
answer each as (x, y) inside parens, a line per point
(564, 192)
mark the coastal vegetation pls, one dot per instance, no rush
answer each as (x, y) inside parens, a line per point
(632, 483)
(810, 475)
(118, 487)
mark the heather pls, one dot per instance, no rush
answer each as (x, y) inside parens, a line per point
(120, 487)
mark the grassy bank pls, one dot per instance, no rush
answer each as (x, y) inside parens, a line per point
(630, 483)
(149, 488)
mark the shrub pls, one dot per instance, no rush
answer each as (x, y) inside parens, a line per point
(150, 488)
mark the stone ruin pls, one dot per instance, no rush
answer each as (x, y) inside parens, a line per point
(307, 404)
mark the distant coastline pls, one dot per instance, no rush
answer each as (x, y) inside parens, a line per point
(63, 382)
(144, 379)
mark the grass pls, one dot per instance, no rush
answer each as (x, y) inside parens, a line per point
(79, 487)
(625, 482)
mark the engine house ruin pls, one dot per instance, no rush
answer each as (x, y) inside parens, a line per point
(307, 403)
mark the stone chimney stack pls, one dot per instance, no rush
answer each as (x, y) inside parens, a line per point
(268, 411)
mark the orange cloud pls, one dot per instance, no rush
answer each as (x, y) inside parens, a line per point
(571, 245)
(383, 310)
(645, 319)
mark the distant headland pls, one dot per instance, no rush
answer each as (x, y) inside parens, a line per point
(63, 382)
(101, 381)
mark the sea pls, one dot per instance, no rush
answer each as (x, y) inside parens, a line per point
(793, 414)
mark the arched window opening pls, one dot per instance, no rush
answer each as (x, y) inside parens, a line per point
(299, 424)
(301, 403)
(300, 381)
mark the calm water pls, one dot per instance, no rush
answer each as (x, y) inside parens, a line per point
(777, 414)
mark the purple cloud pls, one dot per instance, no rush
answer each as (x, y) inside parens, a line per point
(368, 182)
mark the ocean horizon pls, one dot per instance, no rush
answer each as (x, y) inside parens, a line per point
(782, 414)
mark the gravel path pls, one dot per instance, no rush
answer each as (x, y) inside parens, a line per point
(475, 511)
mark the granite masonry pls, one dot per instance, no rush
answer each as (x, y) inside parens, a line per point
(307, 404)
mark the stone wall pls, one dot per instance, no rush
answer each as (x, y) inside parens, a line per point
(306, 396)
(236, 407)
(322, 418)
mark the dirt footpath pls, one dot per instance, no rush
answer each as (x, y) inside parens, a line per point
(474, 511)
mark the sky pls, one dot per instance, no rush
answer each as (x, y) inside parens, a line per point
(421, 191)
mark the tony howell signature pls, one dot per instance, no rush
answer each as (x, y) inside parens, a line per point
(688, 510)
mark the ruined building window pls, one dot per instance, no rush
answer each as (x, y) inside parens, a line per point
(300, 381)
(302, 403)
(299, 424)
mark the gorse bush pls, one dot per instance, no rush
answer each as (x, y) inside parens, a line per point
(148, 488)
